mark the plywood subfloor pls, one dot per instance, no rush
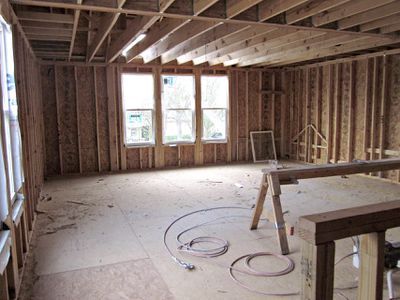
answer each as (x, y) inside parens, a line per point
(100, 237)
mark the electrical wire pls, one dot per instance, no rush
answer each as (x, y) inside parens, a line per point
(220, 247)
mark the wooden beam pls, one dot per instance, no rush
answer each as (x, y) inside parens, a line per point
(356, 45)
(135, 27)
(312, 45)
(55, 38)
(330, 94)
(370, 15)
(206, 52)
(209, 36)
(382, 22)
(183, 34)
(337, 113)
(352, 104)
(311, 8)
(235, 7)
(271, 8)
(98, 8)
(45, 17)
(383, 115)
(49, 31)
(74, 29)
(231, 55)
(348, 9)
(372, 259)
(106, 24)
(374, 104)
(155, 33)
(390, 28)
(201, 5)
(318, 262)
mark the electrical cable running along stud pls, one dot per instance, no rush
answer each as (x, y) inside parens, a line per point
(220, 249)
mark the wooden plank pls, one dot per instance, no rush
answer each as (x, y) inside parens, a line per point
(337, 113)
(318, 264)
(158, 152)
(328, 226)
(230, 119)
(284, 106)
(235, 7)
(262, 193)
(375, 88)
(247, 115)
(298, 98)
(273, 182)
(122, 146)
(201, 5)
(336, 169)
(372, 259)
(77, 13)
(78, 121)
(352, 98)
(307, 118)
(58, 121)
(154, 34)
(271, 8)
(382, 117)
(329, 112)
(112, 118)
(367, 105)
(98, 137)
(382, 21)
(311, 8)
(45, 17)
(199, 155)
(351, 8)
(318, 105)
(369, 16)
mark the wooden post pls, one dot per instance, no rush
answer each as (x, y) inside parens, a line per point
(112, 118)
(273, 182)
(350, 137)
(4, 286)
(291, 111)
(159, 151)
(121, 119)
(298, 96)
(78, 127)
(374, 110)
(262, 193)
(247, 115)
(229, 121)
(96, 102)
(372, 265)
(317, 270)
(283, 115)
(337, 111)
(199, 155)
(318, 100)
(383, 109)
(367, 105)
(307, 118)
(329, 112)
(58, 121)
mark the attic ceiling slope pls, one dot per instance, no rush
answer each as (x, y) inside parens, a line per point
(243, 33)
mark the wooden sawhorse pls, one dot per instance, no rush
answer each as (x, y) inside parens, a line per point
(273, 179)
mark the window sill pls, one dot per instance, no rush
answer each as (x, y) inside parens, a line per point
(183, 143)
(225, 141)
(133, 146)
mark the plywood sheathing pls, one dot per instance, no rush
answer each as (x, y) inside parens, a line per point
(359, 109)
(85, 105)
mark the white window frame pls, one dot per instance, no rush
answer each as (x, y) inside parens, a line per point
(152, 110)
(208, 140)
(165, 110)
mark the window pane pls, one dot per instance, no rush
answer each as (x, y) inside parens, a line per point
(178, 91)
(139, 127)
(138, 91)
(178, 126)
(214, 124)
(214, 91)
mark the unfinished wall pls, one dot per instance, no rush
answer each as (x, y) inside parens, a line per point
(354, 106)
(84, 133)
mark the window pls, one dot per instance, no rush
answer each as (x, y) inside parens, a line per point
(178, 102)
(12, 135)
(214, 104)
(138, 104)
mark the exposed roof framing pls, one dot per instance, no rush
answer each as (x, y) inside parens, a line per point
(230, 32)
